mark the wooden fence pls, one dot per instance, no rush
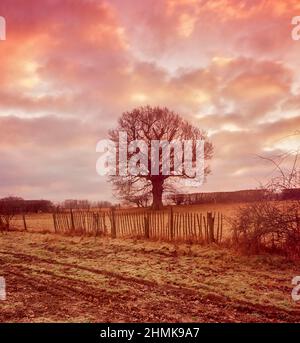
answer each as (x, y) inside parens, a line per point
(80, 222)
(168, 225)
(165, 225)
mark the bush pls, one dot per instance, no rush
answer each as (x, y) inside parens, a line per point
(268, 226)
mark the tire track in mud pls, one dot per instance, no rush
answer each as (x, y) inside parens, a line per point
(215, 306)
(171, 255)
(101, 300)
(116, 304)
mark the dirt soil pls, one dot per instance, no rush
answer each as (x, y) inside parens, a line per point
(71, 279)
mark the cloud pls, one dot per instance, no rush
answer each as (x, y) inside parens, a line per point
(69, 69)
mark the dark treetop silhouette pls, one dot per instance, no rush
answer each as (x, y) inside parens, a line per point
(148, 124)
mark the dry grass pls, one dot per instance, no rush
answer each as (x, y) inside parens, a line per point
(40, 222)
(55, 278)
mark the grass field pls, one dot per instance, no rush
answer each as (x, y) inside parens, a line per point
(72, 279)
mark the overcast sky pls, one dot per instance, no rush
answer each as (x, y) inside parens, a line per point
(68, 70)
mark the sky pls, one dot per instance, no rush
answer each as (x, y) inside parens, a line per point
(69, 69)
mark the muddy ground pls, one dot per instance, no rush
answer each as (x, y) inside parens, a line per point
(63, 279)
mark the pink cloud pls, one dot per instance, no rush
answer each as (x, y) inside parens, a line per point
(69, 69)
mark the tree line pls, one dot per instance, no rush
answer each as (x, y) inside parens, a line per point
(249, 195)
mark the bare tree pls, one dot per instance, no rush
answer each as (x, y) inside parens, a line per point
(9, 207)
(154, 123)
(273, 224)
(76, 204)
(102, 204)
(287, 171)
(142, 200)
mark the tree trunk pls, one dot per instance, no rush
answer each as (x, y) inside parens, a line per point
(157, 192)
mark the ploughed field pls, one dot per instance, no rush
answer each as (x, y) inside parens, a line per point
(71, 279)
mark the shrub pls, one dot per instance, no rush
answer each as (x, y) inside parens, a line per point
(268, 226)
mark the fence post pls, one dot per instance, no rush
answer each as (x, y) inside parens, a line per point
(113, 224)
(210, 223)
(221, 229)
(72, 222)
(54, 222)
(146, 224)
(171, 224)
(24, 222)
